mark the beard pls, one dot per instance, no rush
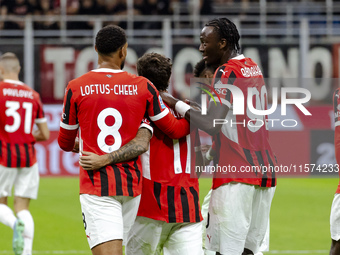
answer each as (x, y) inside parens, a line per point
(122, 65)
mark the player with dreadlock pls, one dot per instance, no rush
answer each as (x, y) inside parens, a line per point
(241, 197)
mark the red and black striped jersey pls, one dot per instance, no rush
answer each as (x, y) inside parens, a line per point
(242, 145)
(170, 190)
(336, 105)
(21, 108)
(107, 106)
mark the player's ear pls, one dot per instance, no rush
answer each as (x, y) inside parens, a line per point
(124, 50)
(95, 47)
(223, 43)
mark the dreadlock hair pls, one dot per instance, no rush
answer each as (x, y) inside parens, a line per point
(109, 39)
(226, 30)
(156, 68)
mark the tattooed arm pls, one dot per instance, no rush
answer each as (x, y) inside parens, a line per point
(137, 146)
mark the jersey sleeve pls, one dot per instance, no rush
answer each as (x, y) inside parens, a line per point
(163, 119)
(146, 123)
(69, 122)
(223, 76)
(40, 117)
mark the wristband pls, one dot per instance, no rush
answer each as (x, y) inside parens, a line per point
(208, 156)
(182, 108)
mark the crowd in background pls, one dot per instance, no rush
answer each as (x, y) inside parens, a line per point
(109, 7)
(85, 7)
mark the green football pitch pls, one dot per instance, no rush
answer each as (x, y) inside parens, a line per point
(299, 217)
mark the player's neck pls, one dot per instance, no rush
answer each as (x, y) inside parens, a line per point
(10, 76)
(108, 65)
(227, 56)
(109, 61)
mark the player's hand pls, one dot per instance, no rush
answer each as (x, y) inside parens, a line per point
(168, 99)
(205, 148)
(76, 145)
(193, 104)
(92, 161)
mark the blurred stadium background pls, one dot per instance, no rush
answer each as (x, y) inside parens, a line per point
(295, 43)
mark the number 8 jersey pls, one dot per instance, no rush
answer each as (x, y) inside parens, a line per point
(108, 106)
(21, 107)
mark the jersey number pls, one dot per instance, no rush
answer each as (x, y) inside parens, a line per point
(12, 111)
(106, 130)
(177, 156)
(257, 121)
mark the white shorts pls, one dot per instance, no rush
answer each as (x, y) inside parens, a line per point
(204, 212)
(335, 218)
(108, 218)
(24, 179)
(238, 218)
(148, 237)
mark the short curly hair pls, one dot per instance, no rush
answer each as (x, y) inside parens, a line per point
(156, 68)
(201, 66)
(109, 39)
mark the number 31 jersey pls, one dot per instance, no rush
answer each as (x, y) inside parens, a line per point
(108, 107)
(21, 107)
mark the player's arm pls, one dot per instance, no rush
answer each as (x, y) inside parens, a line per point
(69, 123)
(42, 133)
(212, 122)
(162, 118)
(172, 127)
(134, 148)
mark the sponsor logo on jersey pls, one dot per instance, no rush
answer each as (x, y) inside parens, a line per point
(161, 102)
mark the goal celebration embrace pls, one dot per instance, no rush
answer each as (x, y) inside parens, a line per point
(158, 170)
(150, 203)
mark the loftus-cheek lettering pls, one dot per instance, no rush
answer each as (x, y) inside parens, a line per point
(107, 89)
(125, 90)
(95, 89)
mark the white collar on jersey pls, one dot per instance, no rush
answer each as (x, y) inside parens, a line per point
(107, 70)
(239, 57)
(13, 81)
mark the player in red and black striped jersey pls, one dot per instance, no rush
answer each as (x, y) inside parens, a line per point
(21, 109)
(170, 196)
(106, 106)
(169, 193)
(335, 215)
(241, 143)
